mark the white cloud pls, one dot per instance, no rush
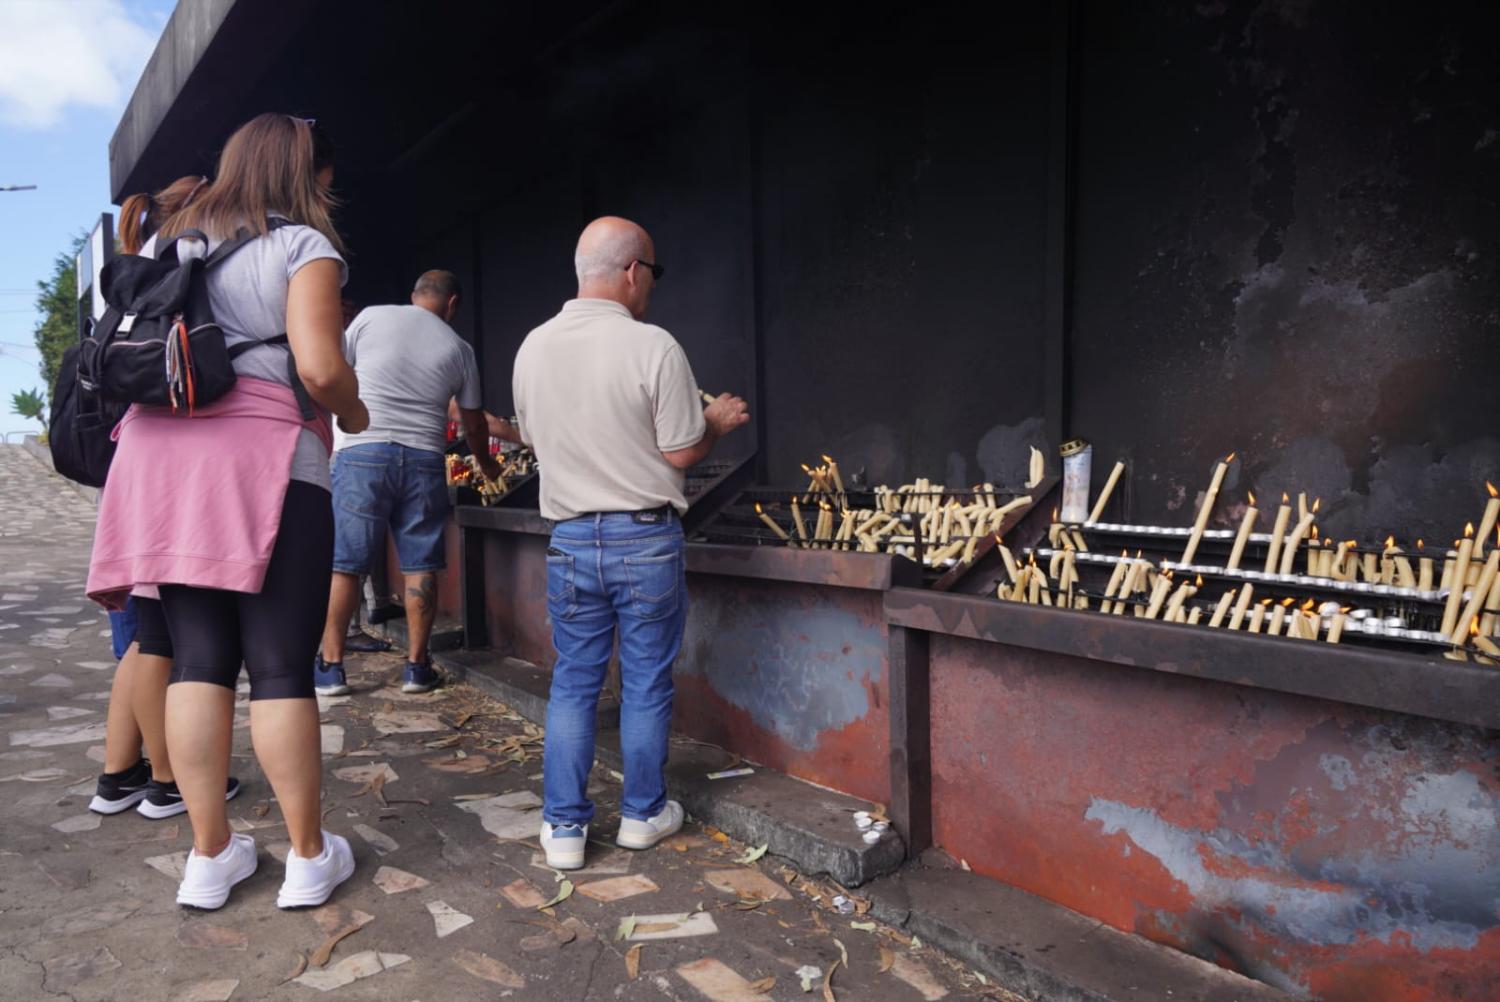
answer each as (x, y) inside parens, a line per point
(56, 53)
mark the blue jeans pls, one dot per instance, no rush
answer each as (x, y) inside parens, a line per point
(607, 571)
(384, 484)
(123, 626)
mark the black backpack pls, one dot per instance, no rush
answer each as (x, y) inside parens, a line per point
(157, 343)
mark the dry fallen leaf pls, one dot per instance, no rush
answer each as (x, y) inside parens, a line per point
(297, 969)
(633, 962)
(261, 809)
(627, 927)
(751, 855)
(322, 954)
(887, 958)
(764, 985)
(828, 982)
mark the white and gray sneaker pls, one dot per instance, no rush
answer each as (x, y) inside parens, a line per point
(563, 845)
(206, 880)
(644, 834)
(309, 882)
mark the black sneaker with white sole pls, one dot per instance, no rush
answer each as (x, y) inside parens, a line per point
(163, 800)
(120, 791)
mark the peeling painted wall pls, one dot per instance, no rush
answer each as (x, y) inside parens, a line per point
(1336, 853)
(1288, 244)
(792, 676)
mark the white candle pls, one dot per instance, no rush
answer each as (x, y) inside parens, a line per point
(1109, 487)
(1246, 524)
(1222, 608)
(1456, 591)
(1206, 509)
(772, 523)
(1337, 629)
(1289, 553)
(1477, 599)
(1241, 605)
(1487, 522)
(1283, 516)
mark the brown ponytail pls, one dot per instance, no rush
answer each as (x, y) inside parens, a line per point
(141, 215)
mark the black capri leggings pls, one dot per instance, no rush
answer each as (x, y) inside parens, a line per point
(151, 633)
(275, 632)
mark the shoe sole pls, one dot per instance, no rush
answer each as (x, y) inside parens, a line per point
(311, 899)
(332, 690)
(415, 687)
(150, 810)
(101, 806)
(210, 903)
(638, 842)
(572, 861)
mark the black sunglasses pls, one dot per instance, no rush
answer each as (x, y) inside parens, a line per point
(657, 270)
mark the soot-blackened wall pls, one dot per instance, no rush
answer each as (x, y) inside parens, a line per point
(1287, 240)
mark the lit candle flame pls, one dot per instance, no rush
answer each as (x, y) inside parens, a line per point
(828, 459)
(1199, 582)
(1267, 601)
(1308, 606)
(1474, 626)
(1421, 545)
(1317, 503)
(1288, 602)
(1252, 498)
(1390, 541)
(758, 509)
(1230, 458)
(1285, 499)
(1344, 610)
(1494, 492)
(1469, 530)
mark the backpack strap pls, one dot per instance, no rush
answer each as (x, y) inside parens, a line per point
(304, 399)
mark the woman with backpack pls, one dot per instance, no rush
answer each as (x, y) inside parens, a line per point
(224, 503)
(142, 643)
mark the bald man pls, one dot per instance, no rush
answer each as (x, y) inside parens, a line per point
(612, 409)
(410, 365)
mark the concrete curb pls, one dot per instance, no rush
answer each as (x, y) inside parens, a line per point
(810, 826)
(1044, 951)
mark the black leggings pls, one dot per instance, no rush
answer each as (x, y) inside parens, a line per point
(151, 633)
(276, 631)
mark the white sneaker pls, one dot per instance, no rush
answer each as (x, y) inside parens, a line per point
(644, 834)
(309, 882)
(206, 880)
(563, 845)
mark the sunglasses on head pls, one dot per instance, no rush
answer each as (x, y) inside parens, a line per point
(657, 270)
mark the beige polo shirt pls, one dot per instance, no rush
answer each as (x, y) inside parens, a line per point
(601, 396)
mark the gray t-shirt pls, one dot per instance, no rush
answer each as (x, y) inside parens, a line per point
(410, 364)
(247, 293)
(601, 396)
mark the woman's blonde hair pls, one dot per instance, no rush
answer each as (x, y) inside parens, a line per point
(270, 165)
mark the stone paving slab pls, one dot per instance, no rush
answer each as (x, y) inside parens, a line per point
(87, 913)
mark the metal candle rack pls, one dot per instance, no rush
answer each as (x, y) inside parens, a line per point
(747, 520)
(1366, 612)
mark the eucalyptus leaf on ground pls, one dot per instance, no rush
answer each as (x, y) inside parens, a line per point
(564, 891)
(751, 855)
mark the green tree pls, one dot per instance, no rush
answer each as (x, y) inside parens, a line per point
(57, 302)
(29, 404)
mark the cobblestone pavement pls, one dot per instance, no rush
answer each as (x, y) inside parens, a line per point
(438, 795)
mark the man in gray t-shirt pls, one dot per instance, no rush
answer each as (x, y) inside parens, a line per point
(410, 365)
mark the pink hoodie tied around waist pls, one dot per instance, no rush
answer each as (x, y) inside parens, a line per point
(197, 500)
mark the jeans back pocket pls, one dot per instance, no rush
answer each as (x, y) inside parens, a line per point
(562, 592)
(655, 585)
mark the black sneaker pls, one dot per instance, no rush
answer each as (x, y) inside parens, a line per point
(163, 801)
(361, 642)
(119, 791)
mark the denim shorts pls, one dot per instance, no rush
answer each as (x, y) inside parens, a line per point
(381, 485)
(123, 626)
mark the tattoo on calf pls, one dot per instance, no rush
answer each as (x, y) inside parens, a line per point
(423, 591)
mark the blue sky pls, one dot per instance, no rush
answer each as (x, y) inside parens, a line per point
(67, 68)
